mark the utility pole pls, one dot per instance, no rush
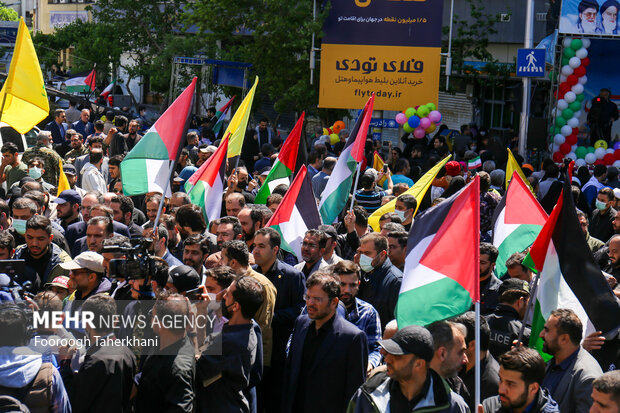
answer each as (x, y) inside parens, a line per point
(525, 108)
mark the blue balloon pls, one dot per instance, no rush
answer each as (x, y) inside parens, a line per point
(414, 121)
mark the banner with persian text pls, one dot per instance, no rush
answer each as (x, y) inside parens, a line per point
(389, 47)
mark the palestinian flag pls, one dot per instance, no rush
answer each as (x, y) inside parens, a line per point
(81, 83)
(108, 89)
(377, 165)
(441, 281)
(221, 114)
(517, 221)
(474, 163)
(568, 276)
(336, 192)
(512, 166)
(284, 165)
(146, 168)
(296, 214)
(206, 186)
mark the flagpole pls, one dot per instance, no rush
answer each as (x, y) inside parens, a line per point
(190, 190)
(163, 197)
(528, 309)
(357, 178)
(477, 354)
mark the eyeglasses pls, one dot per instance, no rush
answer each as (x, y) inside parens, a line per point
(317, 300)
(309, 245)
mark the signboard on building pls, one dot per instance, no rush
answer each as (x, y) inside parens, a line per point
(389, 47)
(597, 17)
(531, 62)
(8, 33)
(60, 19)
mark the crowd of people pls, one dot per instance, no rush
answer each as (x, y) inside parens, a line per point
(315, 335)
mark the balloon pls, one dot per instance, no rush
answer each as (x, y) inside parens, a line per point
(407, 128)
(568, 52)
(413, 121)
(590, 149)
(571, 155)
(590, 158)
(617, 164)
(326, 131)
(566, 130)
(334, 138)
(567, 114)
(577, 89)
(410, 112)
(434, 116)
(560, 121)
(565, 60)
(576, 44)
(572, 79)
(585, 62)
(577, 115)
(581, 97)
(340, 124)
(423, 111)
(419, 133)
(580, 71)
(559, 139)
(574, 62)
(581, 152)
(401, 118)
(567, 70)
(580, 162)
(558, 157)
(567, 41)
(554, 148)
(562, 104)
(617, 145)
(431, 106)
(562, 78)
(572, 140)
(431, 128)
(564, 88)
(575, 106)
(610, 150)
(581, 53)
(569, 96)
(564, 148)
(583, 80)
(609, 159)
(585, 43)
(599, 152)
(600, 144)
(425, 123)
(617, 154)
(574, 147)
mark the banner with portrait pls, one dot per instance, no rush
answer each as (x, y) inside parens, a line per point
(594, 17)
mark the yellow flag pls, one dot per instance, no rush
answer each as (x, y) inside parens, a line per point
(418, 190)
(23, 98)
(513, 166)
(63, 182)
(377, 164)
(239, 123)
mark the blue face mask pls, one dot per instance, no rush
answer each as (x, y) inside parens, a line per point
(401, 214)
(35, 172)
(19, 225)
(600, 205)
(366, 263)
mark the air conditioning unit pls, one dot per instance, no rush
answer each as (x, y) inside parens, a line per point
(504, 17)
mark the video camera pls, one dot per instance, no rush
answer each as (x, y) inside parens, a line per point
(137, 265)
(10, 270)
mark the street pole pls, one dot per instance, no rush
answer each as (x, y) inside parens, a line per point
(449, 55)
(525, 108)
(312, 48)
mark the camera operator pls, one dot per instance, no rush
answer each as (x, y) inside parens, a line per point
(603, 113)
(25, 376)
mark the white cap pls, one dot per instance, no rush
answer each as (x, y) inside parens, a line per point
(617, 192)
(88, 260)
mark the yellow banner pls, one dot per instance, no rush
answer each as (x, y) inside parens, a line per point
(400, 76)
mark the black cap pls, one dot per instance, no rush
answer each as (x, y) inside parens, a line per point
(69, 169)
(68, 195)
(410, 340)
(514, 284)
(184, 278)
(329, 231)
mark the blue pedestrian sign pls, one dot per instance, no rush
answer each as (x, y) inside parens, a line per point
(531, 62)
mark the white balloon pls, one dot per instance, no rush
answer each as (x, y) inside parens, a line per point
(559, 139)
(585, 43)
(573, 148)
(610, 150)
(567, 70)
(562, 78)
(580, 162)
(566, 130)
(573, 122)
(556, 148)
(583, 80)
(581, 53)
(566, 42)
(562, 104)
(599, 152)
(577, 89)
(577, 114)
(574, 62)
(571, 155)
(590, 158)
(570, 97)
(616, 164)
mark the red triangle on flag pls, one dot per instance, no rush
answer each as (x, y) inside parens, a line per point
(455, 248)
(521, 206)
(91, 80)
(285, 209)
(212, 167)
(288, 154)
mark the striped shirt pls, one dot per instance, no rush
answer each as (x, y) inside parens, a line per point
(369, 200)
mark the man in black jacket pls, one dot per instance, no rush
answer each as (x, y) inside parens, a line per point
(521, 373)
(489, 283)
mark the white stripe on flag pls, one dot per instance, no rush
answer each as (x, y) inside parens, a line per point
(293, 232)
(417, 275)
(213, 198)
(272, 184)
(158, 172)
(340, 172)
(502, 230)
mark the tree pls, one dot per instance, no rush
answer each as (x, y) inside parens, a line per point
(8, 14)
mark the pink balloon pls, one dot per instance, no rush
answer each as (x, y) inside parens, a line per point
(435, 116)
(401, 118)
(419, 133)
(425, 123)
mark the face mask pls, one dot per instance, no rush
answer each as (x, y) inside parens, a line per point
(20, 226)
(600, 205)
(34, 172)
(401, 214)
(242, 184)
(225, 311)
(366, 263)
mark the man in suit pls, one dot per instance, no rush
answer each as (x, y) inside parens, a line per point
(327, 357)
(57, 127)
(572, 369)
(91, 208)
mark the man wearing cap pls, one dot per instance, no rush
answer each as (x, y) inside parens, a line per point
(408, 383)
(184, 278)
(68, 207)
(60, 286)
(506, 321)
(71, 174)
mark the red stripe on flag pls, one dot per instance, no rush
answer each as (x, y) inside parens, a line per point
(357, 151)
(91, 79)
(288, 154)
(538, 252)
(209, 170)
(521, 206)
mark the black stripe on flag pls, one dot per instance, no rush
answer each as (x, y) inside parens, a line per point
(498, 210)
(306, 204)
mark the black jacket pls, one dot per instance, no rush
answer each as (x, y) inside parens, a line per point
(380, 289)
(489, 294)
(601, 225)
(78, 230)
(505, 327)
(167, 381)
(489, 379)
(544, 404)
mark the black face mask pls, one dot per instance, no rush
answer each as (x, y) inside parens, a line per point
(225, 312)
(242, 184)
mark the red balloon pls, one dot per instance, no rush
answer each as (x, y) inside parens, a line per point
(580, 71)
(599, 162)
(585, 61)
(564, 87)
(558, 157)
(571, 139)
(609, 158)
(617, 154)
(572, 80)
(565, 148)
(575, 131)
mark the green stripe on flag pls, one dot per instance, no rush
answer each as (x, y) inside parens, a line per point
(278, 171)
(134, 176)
(538, 322)
(521, 238)
(197, 196)
(283, 244)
